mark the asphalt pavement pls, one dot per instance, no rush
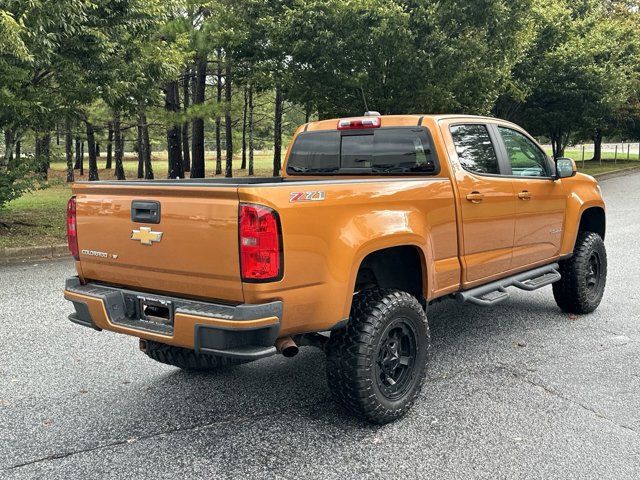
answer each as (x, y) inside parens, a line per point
(518, 391)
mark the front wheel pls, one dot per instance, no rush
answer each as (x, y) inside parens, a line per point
(376, 365)
(584, 275)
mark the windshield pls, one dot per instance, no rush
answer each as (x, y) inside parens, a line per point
(401, 150)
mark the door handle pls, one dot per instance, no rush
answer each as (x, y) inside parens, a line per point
(475, 197)
(145, 211)
(524, 195)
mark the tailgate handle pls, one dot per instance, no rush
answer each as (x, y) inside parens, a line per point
(145, 211)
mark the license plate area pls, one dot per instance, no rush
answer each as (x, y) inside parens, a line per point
(155, 310)
(147, 313)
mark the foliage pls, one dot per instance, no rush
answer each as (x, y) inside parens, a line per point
(578, 70)
(565, 69)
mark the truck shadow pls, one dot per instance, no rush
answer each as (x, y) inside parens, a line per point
(461, 335)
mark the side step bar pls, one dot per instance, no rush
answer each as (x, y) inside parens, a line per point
(495, 292)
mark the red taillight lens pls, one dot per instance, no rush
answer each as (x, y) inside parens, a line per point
(260, 244)
(359, 123)
(72, 228)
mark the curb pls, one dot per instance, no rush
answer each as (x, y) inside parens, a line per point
(616, 173)
(21, 254)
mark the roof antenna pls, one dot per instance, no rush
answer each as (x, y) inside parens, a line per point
(367, 112)
(364, 99)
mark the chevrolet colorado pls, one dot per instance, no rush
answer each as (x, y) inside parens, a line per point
(373, 218)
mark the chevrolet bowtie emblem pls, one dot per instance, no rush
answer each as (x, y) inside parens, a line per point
(146, 236)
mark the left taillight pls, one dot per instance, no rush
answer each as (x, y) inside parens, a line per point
(72, 228)
(260, 240)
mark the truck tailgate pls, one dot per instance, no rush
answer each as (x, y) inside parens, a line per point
(196, 254)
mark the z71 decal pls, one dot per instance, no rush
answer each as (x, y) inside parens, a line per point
(306, 197)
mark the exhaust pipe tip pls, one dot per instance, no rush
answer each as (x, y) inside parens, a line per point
(287, 347)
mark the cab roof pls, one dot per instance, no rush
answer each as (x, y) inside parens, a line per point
(397, 120)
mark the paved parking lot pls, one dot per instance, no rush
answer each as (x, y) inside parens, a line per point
(519, 391)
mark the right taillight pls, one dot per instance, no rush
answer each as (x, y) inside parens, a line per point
(72, 228)
(260, 243)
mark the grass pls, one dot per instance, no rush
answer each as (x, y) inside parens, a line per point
(38, 218)
(608, 164)
(262, 167)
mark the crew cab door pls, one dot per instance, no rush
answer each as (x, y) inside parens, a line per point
(540, 201)
(485, 200)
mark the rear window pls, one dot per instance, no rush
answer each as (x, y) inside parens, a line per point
(390, 151)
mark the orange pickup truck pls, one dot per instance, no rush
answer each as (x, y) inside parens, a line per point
(373, 218)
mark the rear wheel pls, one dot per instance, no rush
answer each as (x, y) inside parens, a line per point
(376, 366)
(584, 275)
(185, 358)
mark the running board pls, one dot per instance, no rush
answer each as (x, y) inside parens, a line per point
(495, 292)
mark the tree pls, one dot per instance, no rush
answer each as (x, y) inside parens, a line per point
(575, 74)
(174, 131)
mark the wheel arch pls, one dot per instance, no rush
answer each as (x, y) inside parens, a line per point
(401, 266)
(591, 217)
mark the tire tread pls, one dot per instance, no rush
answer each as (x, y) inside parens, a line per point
(350, 350)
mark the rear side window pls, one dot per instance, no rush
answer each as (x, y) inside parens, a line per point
(317, 152)
(474, 148)
(382, 151)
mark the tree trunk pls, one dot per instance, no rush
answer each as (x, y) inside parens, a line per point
(228, 127)
(97, 150)
(197, 150)
(558, 142)
(68, 150)
(46, 150)
(243, 165)
(219, 97)
(119, 148)
(8, 146)
(78, 165)
(37, 151)
(186, 157)
(47, 147)
(194, 81)
(81, 157)
(109, 147)
(277, 132)
(41, 164)
(144, 148)
(597, 145)
(250, 94)
(146, 144)
(43, 154)
(174, 132)
(17, 150)
(91, 147)
(140, 149)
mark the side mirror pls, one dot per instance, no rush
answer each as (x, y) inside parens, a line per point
(565, 168)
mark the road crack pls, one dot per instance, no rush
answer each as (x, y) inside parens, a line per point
(171, 431)
(555, 393)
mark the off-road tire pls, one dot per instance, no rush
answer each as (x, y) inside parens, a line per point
(185, 358)
(575, 292)
(354, 365)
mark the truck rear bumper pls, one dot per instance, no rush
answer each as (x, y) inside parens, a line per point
(241, 331)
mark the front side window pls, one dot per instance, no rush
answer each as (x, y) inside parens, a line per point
(526, 159)
(391, 150)
(475, 150)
